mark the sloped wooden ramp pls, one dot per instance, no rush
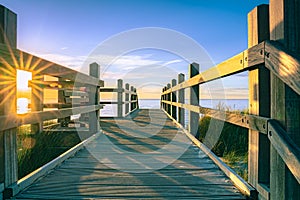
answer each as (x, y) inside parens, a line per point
(147, 158)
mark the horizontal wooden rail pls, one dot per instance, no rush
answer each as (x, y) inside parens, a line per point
(234, 65)
(286, 148)
(244, 120)
(284, 64)
(117, 90)
(13, 121)
(281, 62)
(17, 58)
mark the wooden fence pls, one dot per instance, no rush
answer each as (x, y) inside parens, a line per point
(274, 102)
(125, 97)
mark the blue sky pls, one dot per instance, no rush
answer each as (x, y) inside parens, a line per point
(67, 31)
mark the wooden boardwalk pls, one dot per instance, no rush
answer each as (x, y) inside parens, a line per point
(147, 158)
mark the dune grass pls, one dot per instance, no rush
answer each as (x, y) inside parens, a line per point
(231, 145)
(35, 150)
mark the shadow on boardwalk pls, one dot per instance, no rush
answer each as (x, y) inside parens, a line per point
(132, 160)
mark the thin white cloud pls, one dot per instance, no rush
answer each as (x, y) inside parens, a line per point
(74, 62)
(172, 62)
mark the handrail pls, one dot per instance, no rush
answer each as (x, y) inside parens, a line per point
(280, 61)
(284, 64)
(236, 64)
(14, 57)
(130, 100)
(14, 121)
(253, 122)
(286, 148)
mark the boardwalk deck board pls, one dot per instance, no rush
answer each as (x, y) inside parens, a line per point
(111, 166)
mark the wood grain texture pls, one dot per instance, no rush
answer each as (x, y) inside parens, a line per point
(284, 64)
(243, 61)
(253, 122)
(192, 176)
(15, 57)
(286, 148)
(11, 121)
(259, 100)
(285, 99)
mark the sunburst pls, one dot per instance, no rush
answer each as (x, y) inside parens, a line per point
(12, 60)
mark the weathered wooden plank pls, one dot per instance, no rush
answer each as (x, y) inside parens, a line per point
(243, 186)
(38, 173)
(253, 122)
(11, 121)
(59, 85)
(191, 176)
(75, 100)
(120, 98)
(174, 99)
(286, 148)
(8, 23)
(42, 66)
(110, 90)
(94, 98)
(108, 102)
(243, 61)
(126, 98)
(181, 96)
(259, 100)
(68, 93)
(194, 100)
(285, 99)
(284, 64)
(8, 101)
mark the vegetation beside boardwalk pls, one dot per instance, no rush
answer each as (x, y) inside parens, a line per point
(35, 150)
(231, 145)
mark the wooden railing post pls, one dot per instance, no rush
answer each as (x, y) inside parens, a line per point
(174, 99)
(131, 99)
(61, 100)
(161, 99)
(8, 102)
(120, 98)
(181, 117)
(194, 100)
(285, 103)
(94, 99)
(127, 99)
(37, 101)
(169, 99)
(165, 98)
(136, 99)
(259, 104)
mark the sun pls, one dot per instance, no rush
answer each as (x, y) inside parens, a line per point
(23, 91)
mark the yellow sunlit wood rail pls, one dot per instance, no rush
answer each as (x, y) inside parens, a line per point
(149, 153)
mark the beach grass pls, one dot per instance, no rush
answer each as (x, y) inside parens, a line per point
(35, 150)
(230, 143)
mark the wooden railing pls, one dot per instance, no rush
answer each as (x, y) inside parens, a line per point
(125, 97)
(78, 93)
(265, 131)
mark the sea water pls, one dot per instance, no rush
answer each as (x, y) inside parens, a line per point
(227, 104)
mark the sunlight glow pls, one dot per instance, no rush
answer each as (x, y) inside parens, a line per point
(22, 105)
(23, 91)
(22, 79)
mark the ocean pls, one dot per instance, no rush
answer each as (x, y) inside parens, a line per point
(231, 104)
